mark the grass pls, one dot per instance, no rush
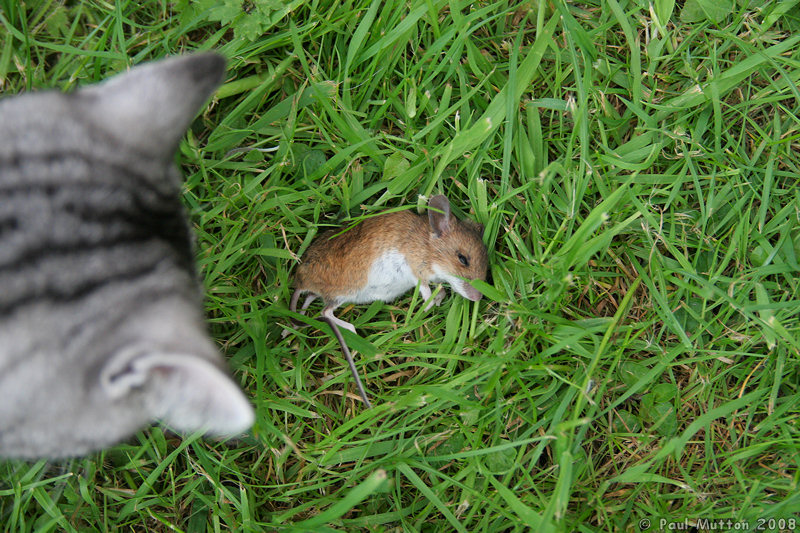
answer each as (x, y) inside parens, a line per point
(636, 166)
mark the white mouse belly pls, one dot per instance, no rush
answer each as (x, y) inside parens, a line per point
(389, 277)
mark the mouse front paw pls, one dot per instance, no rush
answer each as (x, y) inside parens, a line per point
(439, 298)
(434, 300)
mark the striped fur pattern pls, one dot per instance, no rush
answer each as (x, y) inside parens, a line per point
(101, 327)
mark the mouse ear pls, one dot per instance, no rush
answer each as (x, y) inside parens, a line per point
(477, 227)
(439, 214)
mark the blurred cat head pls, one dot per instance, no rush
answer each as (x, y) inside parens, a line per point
(101, 326)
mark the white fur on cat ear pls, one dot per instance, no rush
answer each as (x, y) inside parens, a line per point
(150, 107)
(185, 392)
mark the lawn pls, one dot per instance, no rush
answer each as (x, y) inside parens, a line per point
(634, 363)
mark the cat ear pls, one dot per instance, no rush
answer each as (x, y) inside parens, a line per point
(150, 107)
(439, 215)
(187, 393)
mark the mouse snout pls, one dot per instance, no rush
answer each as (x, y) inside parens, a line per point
(471, 292)
(466, 290)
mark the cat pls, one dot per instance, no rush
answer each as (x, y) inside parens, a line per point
(101, 320)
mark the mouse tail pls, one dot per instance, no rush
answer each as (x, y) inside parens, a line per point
(350, 361)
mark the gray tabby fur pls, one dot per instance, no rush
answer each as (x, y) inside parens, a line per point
(101, 326)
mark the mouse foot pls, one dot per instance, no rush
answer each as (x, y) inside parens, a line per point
(431, 301)
(328, 313)
(439, 298)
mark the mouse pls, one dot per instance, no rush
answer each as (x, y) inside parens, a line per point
(386, 255)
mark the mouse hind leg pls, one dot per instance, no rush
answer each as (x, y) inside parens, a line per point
(327, 313)
(293, 307)
(310, 298)
(335, 323)
(295, 297)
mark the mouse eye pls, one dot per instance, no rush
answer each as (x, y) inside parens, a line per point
(464, 259)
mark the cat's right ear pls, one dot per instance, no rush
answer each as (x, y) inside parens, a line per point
(185, 392)
(150, 107)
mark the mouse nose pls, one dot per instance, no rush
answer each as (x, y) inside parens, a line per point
(471, 292)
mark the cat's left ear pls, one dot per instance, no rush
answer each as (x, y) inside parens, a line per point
(185, 392)
(150, 107)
